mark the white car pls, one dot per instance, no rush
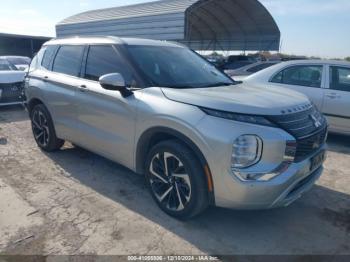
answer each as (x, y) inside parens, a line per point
(326, 83)
(245, 71)
(20, 62)
(11, 84)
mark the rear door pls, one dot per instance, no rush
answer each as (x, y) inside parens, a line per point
(61, 80)
(106, 119)
(307, 79)
(337, 99)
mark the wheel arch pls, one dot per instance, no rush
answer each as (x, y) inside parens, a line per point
(33, 102)
(155, 135)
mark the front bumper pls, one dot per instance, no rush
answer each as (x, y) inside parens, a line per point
(291, 182)
(11, 94)
(281, 191)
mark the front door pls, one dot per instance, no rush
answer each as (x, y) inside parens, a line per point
(304, 78)
(106, 119)
(337, 99)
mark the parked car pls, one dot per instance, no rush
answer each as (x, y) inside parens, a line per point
(234, 62)
(235, 58)
(11, 84)
(326, 83)
(161, 110)
(20, 62)
(215, 60)
(243, 72)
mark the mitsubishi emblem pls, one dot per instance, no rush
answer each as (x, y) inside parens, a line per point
(317, 123)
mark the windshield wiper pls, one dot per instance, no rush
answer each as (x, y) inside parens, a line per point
(180, 86)
(220, 84)
(202, 86)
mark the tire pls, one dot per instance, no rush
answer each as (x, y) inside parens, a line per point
(43, 129)
(185, 180)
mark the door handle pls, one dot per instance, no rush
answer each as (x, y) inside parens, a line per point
(330, 96)
(333, 96)
(46, 78)
(83, 88)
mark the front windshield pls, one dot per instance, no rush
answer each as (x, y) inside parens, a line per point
(176, 67)
(6, 66)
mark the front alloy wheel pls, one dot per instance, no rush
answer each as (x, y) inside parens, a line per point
(169, 181)
(176, 179)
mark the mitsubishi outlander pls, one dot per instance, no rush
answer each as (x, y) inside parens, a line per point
(161, 110)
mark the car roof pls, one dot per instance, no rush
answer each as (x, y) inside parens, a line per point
(83, 40)
(316, 61)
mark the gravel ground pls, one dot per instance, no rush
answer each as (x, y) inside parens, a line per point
(75, 202)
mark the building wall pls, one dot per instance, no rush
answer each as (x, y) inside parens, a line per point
(160, 27)
(200, 24)
(20, 46)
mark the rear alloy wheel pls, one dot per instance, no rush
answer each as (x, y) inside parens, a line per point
(43, 129)
(40, 128)
(176, 180)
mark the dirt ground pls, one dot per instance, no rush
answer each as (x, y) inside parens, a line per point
(75, 202)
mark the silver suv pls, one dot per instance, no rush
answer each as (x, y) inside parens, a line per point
(161, 110)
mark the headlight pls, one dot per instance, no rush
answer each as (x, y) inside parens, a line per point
(288, 159)
(246, 151)
(258, 120)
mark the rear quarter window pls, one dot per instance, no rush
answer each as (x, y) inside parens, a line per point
(36, 61)
(47, 56)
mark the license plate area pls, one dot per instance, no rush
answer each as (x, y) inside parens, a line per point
(317, 161)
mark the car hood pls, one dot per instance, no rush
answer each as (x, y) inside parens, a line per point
(11, 76)
(238, 78)
(241, 98)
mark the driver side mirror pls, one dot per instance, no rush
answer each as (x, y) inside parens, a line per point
(115, 82)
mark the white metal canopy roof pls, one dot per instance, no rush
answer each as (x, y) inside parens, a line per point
(200, 24)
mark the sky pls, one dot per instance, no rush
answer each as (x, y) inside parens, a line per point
(308, 27)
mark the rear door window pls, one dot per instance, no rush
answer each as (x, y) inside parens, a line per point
(68, 60)
(303, 75)
(340, 78)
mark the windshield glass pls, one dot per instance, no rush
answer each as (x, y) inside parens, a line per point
(176, 67)
(6, 66)
(19, 60)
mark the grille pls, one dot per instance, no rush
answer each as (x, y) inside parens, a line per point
(309, 127)
(11, 93)
(308, 145)
(300, 124)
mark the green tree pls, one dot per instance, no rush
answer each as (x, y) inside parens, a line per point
(347, 58)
